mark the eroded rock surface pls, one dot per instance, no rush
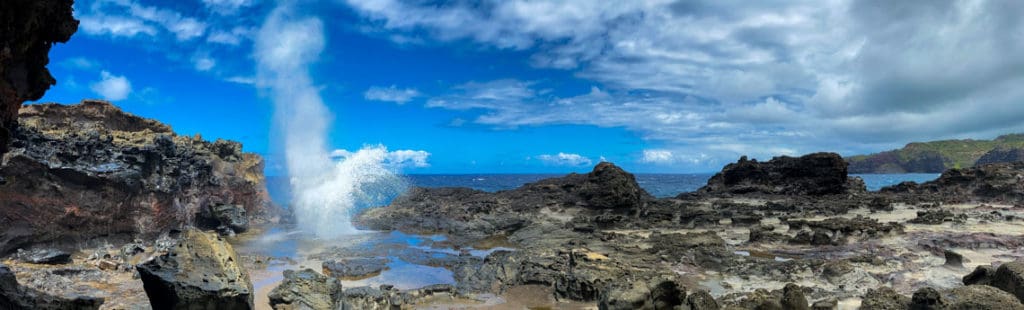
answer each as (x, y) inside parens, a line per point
(88, 170)
(1001, 182)
(15, 296)
(29, 29)
(812, 174)
(201, 272)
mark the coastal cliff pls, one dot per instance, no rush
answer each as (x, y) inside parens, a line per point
(937, 156)
(28, 28)
(76, 172)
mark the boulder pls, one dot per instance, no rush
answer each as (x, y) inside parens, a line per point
(884, 298)
(305, 289)
(982, 275)
(15, 296)
(701, 300)
(201, 272)
(1009, 277)
(926, 298)
(45, 256)
(223, 217)
(813, 174)
(793, 298)
(610, 187)
(953, 259)
(657, 293)
(980, 297)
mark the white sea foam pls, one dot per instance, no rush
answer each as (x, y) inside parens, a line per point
(325, 192)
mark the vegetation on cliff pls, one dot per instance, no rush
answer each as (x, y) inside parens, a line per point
(934, 156)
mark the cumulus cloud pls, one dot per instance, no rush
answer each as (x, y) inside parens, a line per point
(397, 158)
(203, 62)
(657, 156)
(391, 94)
(565, 159)
(127, 18)
(112, 87)
(796, 76)
(228, 7)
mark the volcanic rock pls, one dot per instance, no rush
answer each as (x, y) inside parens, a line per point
(980, 297)
(355, 268)
(659, 293)
(15, 296)
(1009, 277)
(884, 298)
(223, 217)
(982, 275)
(45, 256)
(87, 170)
(1000, 182)
(201, 272)
(1001, 155)
(30, 29)
(812, 174)
(305, 289)
(793, 298)
(701, 300)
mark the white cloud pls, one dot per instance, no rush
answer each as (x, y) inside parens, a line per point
(838, 75)
(397, 158)
(127, 18)
(657, 156)
(391, 94)
(233, 37)
(203, 62)
(228, 7)
(565, 159)
(112, 87)
(245, 80)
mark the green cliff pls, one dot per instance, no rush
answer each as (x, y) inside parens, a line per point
(932, 157)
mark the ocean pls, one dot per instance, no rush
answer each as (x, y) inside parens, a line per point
(659, 185)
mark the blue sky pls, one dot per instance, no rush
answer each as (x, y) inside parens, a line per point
(557, 86)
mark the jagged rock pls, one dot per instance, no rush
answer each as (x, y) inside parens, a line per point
(1001, 155)
(825, 305)
(224, 217)
(305, 289)
(364, 298)
(701, 300)
(201, 272)
(884, 298)
(926, 298)
(610, 187)
(982, 275)
(30, 29)
(980, 297)
(933, 217)
(45, 256)
(82, 171)
(953, 259)
(793, 298)
(1009, 277)
(355, 268)
(813, 174)
(15, 296)
(1001, 182)
(658, 293)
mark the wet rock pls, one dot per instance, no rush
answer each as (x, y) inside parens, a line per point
(793, 298)
(701, 300)
(201, 272)
(364, 298)
(355, 268)
(953, 259)
(1009, 277)
(45, 256)
(926, 298)
(980, 297)
(813, 174)
(305, 289)
(658, 293)
(884, 298)
(15, 296)
(982, 275)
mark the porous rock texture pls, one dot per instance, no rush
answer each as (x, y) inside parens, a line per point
(89, 170)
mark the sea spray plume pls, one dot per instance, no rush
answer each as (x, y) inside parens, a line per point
(325, 192)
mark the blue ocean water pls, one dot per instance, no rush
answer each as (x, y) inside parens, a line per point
(659, 185)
